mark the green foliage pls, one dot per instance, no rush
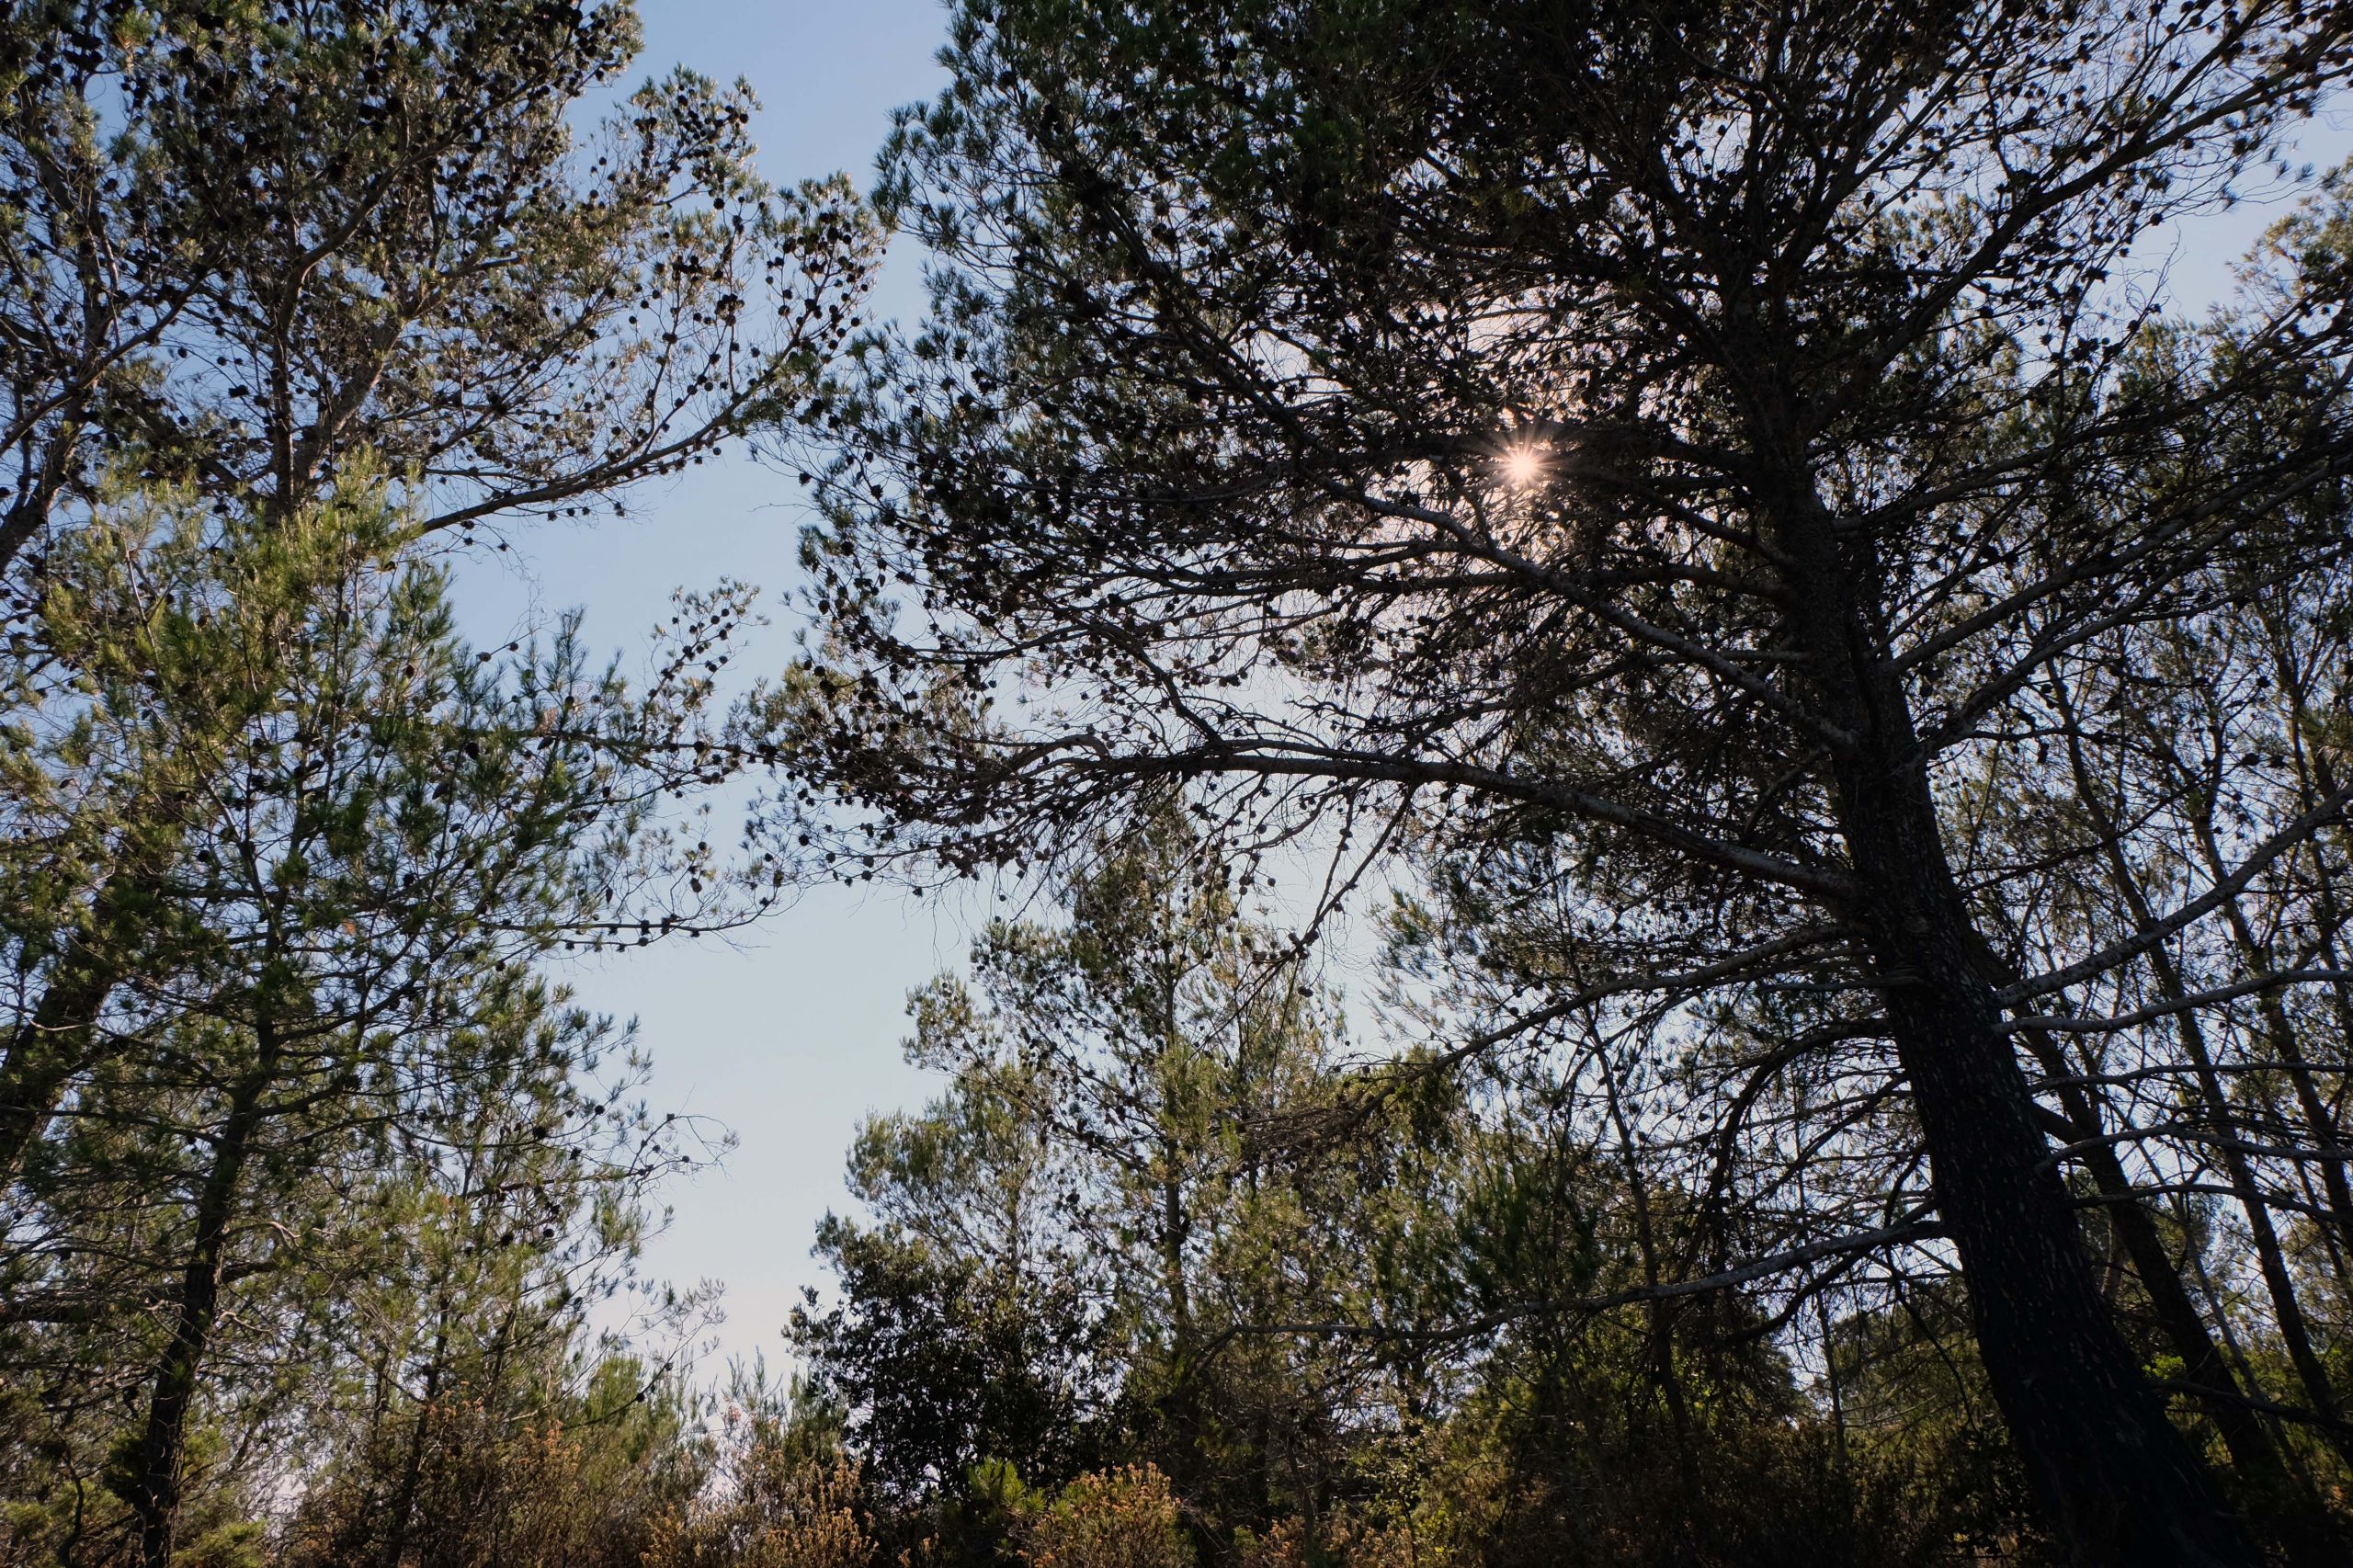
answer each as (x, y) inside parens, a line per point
(1119, 1518)
(1261, 1255)
(331, 1119)
(1848, 702)
(250, 242)
(1655, 481)
(319, 1197)
(1069, 1244)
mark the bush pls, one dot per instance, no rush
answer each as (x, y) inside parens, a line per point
(1114, 1519)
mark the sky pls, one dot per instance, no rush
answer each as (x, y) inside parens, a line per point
(790, 1035)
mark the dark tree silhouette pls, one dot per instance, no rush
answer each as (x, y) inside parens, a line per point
(1676, 434)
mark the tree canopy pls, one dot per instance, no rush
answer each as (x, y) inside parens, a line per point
(1698, 540)
(1688, 448)
(315, 1186)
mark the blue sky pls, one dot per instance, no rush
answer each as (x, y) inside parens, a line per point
(790, 1036)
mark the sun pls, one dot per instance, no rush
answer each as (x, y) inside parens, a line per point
(1523, 466)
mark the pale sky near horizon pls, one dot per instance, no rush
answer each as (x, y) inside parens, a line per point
(791, 1034)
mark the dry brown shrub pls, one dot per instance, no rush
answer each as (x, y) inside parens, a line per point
(1114, 1519)
(773, 1510)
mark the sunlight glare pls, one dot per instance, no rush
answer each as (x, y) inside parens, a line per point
(1522, 466)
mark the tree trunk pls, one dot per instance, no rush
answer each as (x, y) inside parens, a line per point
(1665, 1374)
(2120, 1483)
(2215, 1100)
(44, 1055)
(2203, 1364)
(2120, 1486)
(154, 1493)
(2287, 1310)
(403, 1508)
(2280, 1035)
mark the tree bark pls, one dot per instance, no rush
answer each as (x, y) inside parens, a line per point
(2280, 1035)
(2120, 1486)
(45, 1053)
(154, 1493)
(2204, 1365)
(403, 1509)
(2119, 1482)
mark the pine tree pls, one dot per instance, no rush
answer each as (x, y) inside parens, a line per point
(1680, 435)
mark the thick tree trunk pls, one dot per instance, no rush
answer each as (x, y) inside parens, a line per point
(2121, 1486)
(2120, 1483)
